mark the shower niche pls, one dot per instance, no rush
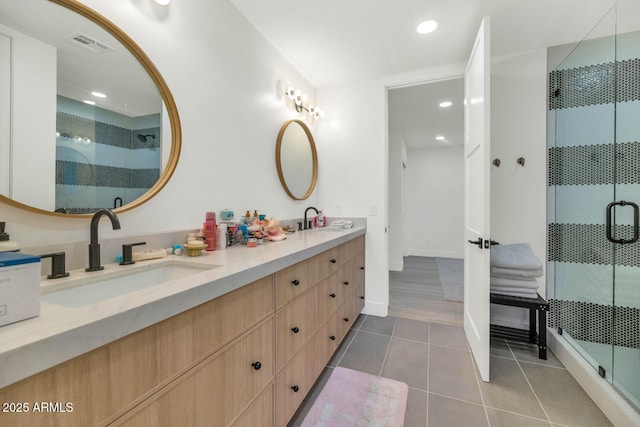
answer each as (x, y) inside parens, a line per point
(593, 197)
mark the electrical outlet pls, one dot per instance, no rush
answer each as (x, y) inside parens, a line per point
(373, 209)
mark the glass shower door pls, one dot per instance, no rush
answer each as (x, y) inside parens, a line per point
(582, 183)
(626, 345)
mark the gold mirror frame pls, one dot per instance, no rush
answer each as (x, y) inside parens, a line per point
(314, 155)
(154, 74)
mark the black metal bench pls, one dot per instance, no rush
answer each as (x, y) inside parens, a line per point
(535, 305)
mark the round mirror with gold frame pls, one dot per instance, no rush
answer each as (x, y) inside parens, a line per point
(46, 170)
(296, 159)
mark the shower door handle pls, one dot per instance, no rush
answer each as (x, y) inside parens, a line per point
(636, 216)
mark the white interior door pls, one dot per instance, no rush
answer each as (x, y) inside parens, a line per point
(477, 200)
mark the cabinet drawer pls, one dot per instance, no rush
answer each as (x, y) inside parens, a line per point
(219, 320)
(346, 279)
(295, 381)
(295, 324)
(292, 282)
(214, 392)
(323, 264)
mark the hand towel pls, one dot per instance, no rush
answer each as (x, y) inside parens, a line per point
(511, 273)
(514, 283)
(517, 255)
(500, 289)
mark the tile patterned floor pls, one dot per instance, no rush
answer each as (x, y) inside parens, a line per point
(444, 386)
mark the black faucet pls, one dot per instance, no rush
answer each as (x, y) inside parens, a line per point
(306, 211)
(94, 246)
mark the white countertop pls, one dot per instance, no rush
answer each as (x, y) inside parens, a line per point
(62, 333)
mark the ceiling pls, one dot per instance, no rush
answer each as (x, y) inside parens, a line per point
(414, 112)
(81, 70)
(334, 42)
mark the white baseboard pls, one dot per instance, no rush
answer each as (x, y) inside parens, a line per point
(375, 309)
(435, 253)
(396, 266)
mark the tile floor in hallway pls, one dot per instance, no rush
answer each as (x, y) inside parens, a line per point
(444, 387)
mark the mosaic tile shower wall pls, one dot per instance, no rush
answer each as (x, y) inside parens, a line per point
(594, 159)
(102, 165)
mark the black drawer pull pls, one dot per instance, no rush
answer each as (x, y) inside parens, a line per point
(295, 388)
(333, 261)
(346, 283)
(346, 319)
(332, 337)
(295, 282)
(256, 365)
(361, 268)
(295, 329)
(332, 295)
(362, 297)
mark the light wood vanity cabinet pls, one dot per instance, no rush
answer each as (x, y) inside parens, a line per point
(247, 358)
(337, 277)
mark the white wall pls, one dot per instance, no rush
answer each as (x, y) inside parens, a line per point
(434, 185)
(518, 129)
(353, 178)
(228, 84)
(33, 120)
(397, 156)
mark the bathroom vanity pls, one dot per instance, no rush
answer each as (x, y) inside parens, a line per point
(240, 344)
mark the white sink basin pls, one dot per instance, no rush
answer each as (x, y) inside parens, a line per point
(93, 287)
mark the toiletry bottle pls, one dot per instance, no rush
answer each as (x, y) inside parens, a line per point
(320, 220)
(7, 245)
(247, 217)
(210, 231)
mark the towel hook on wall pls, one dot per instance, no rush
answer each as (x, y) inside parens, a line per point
(496, 162)
(520, 161)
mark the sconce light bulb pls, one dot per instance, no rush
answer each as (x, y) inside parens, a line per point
(290, 93)
(297, 92)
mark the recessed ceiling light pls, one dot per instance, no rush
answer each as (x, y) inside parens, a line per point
(446, 104)
(440, 138)
(427, 26)
(98, 94)
(86, 101)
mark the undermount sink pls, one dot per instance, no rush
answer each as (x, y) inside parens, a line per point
(94, 287)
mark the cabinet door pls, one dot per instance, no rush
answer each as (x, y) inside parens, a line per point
(295, 381)
(217, 390)
(295, 325)
(260, 414)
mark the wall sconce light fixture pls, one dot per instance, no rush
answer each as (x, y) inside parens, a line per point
(298, 99)
(163, 2)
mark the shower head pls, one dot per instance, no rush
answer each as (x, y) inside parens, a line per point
(145, 138)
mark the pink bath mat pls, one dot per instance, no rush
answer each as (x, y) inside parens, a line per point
(352, 398)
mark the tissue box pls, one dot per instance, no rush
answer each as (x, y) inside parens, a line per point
(19, 287)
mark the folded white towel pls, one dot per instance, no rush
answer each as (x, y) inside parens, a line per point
(512, 273)
(517, 255)
(514, 283)
(500, 289)
(524, 294)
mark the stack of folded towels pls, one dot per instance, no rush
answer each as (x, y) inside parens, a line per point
(514, 269)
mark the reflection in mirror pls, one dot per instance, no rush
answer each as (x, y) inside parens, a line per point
(93, 124)
(296, 159)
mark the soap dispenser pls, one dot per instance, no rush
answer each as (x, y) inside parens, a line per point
(7, 245)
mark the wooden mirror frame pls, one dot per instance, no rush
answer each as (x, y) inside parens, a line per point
(314, 155)
(154, 74)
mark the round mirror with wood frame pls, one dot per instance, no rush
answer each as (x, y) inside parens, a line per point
(296, 159)
(171, 112)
